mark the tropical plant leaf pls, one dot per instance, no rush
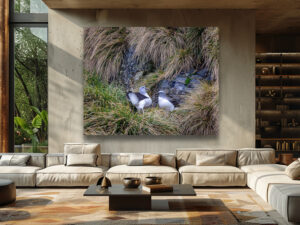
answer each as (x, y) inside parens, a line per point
(44, 116)
(20, 122)
(37, 122)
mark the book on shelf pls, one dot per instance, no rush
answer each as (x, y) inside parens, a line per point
(153, 188)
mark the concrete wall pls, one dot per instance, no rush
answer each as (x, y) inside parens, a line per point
(237, 77)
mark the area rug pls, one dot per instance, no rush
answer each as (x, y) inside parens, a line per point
(209, 207)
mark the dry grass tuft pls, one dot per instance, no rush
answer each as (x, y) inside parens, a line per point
(210, 50)
(182, 61)
(201, 111)
(158, 44)
(104, 50)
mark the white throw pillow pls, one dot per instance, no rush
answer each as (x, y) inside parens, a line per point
(81, 159)
(14, 160)
(81, 148)
(210, 159)
(293, 170)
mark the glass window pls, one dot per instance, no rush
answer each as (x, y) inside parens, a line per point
(30, 6)
(28, 76)
(30, 89)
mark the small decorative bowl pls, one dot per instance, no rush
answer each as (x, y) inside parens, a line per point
(152, 180)
(131, 182)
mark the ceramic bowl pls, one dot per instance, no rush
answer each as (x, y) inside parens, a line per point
(131, 182)
(152, 180)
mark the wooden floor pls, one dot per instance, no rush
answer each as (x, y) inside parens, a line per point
(69, 206)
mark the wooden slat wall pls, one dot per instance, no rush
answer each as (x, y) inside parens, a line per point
(4, 75)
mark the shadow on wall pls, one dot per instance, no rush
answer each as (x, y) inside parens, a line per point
(237, 105)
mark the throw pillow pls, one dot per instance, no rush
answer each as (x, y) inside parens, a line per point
(144, 160)
(210, 160)
(74, 148)
(81, 159)
(14, 160)
(293, 170)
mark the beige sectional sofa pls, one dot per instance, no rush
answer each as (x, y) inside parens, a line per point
(119, 169)
(212, 175)
(23, 176)
(57, 174)
(254, 168)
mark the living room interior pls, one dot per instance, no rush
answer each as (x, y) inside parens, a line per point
(160, 112)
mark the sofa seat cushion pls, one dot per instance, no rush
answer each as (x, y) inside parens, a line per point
(168, 174)
(61, 175)
(285, 198)
(212, 175)
(23, 176)
(260, 182)
(263, 167)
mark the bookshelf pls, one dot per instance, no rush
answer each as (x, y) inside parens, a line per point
(278, 102)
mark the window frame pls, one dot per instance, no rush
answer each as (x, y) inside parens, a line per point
(18, 20)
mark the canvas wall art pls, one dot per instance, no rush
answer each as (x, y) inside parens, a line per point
(151, 80)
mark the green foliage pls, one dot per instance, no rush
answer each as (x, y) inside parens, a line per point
(32, 128)
(108, 112)
(30, 84)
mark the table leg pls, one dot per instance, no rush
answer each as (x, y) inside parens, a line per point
(119, 202)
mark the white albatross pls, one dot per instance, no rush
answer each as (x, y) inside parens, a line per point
(137, 99)
(164, 103)
(148, 101)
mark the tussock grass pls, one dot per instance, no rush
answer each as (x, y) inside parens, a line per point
(210, 50)
(201, 110)
(158, 44)
(104, 49)
(182, 61)
(107, 112)
(194, 43)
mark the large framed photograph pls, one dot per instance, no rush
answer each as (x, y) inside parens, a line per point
(151, 81)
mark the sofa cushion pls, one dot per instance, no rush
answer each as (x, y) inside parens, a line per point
(117, 173)
(80, 148)
(285, 198)
(81, 159)
(212, 175)
(36, 159)
(166, 159)
(144, 160)
(14, 160)
(61, 175)
(263, 167)
(24, 176)
(261, 181)
(293, 170)
(254, 156)
(188, 156)
(210, 160)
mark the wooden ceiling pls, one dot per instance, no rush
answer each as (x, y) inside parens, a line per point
(272, 16)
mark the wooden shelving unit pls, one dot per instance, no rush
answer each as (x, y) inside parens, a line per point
(278, 102)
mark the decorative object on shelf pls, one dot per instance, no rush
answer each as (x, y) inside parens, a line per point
(104, 182)
(294, 123)
(271, 93)
(265, 70)
(131, 182)
(152, 180)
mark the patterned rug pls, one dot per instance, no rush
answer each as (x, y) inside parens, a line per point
(210, 207)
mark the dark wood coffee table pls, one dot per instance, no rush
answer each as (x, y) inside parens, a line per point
(121, 198)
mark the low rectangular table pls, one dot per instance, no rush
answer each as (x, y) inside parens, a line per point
(121, 198)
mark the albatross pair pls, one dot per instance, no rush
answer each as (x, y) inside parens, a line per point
(142, 100)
